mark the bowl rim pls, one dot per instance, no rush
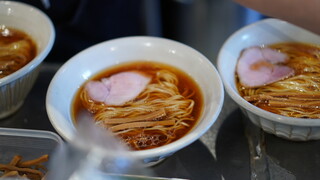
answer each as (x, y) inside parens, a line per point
(176, 145)
(40, 56)
(245, 104)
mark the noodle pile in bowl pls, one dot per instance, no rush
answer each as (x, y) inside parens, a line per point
(159, 115)
(16, 50)
(296, 96)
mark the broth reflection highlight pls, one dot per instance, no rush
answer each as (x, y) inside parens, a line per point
(296, 95)
(167, 108)
(16, 50)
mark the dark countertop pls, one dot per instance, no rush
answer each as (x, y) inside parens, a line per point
(227, 151)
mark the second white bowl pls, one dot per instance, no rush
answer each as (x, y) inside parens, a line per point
(15, 87)
(266, 32)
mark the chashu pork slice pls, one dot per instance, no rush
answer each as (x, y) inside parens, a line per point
(118, 88)
(260, 66)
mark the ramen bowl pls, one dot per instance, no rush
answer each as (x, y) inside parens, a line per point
(266, 32)
(72, 75)
(15, 87)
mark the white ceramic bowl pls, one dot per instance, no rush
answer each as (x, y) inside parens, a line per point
(82, 66)
(266, 31)
(15, 87)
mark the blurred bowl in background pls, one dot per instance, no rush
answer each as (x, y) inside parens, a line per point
(76, 71)
(15, 87)
(266, 32)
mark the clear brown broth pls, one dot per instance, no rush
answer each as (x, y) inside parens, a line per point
(10, 62)
(147, 67)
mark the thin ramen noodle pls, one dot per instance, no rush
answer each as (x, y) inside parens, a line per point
(167, 109)
(295, 96)
(16, 50)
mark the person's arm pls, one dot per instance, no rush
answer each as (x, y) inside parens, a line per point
(304, 13)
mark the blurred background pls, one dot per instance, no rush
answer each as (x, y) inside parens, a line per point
(201, 24)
